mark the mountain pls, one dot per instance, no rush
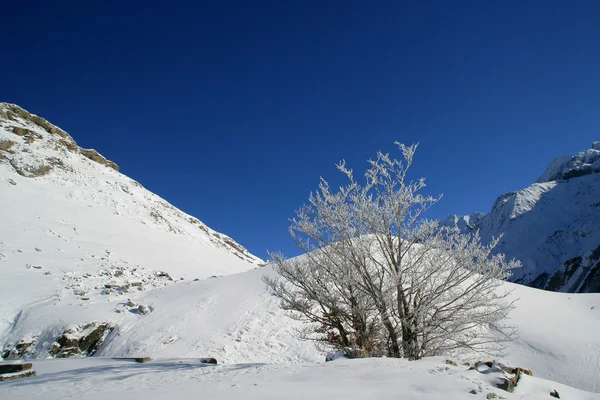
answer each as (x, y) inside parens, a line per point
(70, 221)
(92, 264)
(551, 226)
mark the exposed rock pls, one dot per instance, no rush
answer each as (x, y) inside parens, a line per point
(28, 135)
(30, 171)
(508, 383)
(10, 368)
(144, 309)
(82, 340)
(99, 158)
(512, 370)
(554, 393)
(142, 359)
(347, 352)
(491, 395)
(22, 349)
(450, 362)
(162, 274)
(16, 375)
(208, 360)
(510, 375)
(69, 144)
(5, 145)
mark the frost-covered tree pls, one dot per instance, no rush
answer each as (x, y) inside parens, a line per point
(377, 275)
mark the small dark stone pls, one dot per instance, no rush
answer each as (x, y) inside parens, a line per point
(555, 394)
(208, 360)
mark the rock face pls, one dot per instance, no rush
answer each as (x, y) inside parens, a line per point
(81, 341)
(551, 226)
(76, 341)
(22, 123)
(23, 349)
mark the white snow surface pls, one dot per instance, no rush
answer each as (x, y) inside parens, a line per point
(67, 235)
(101, 378)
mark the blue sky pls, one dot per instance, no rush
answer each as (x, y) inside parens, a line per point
(232, 110)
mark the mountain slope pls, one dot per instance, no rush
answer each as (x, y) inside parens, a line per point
(551, 226)
(67, 216)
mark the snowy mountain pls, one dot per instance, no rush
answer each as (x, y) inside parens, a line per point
(551, 226)
(70, 224)
(92, 264)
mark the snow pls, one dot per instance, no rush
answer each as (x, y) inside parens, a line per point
(100, 378)
(85, 243)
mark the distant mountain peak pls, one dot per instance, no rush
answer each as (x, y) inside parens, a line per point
(551, 226)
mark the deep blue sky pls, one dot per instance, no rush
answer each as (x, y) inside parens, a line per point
(232, 110)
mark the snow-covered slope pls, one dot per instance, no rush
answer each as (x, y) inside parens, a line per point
(552, 226)
(68, 217)
(235, 320)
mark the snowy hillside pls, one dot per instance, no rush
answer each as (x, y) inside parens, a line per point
(551, 226)
(70, 223)
(235, 320)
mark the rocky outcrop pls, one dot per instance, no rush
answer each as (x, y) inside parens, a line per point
(568, 167)
(22, 349)
(507, 377)
(22, 123)
(81, 341)
(5, 145)
(99, 158)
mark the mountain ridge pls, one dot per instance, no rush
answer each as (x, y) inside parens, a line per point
(551, 226)
(21, 132)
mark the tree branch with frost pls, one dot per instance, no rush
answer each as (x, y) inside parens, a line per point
(377, 274)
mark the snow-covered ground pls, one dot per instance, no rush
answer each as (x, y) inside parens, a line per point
(100, 378)
(84, 244)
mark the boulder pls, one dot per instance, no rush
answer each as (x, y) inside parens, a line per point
(144, 309)
(347, 352)
(81, 341)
